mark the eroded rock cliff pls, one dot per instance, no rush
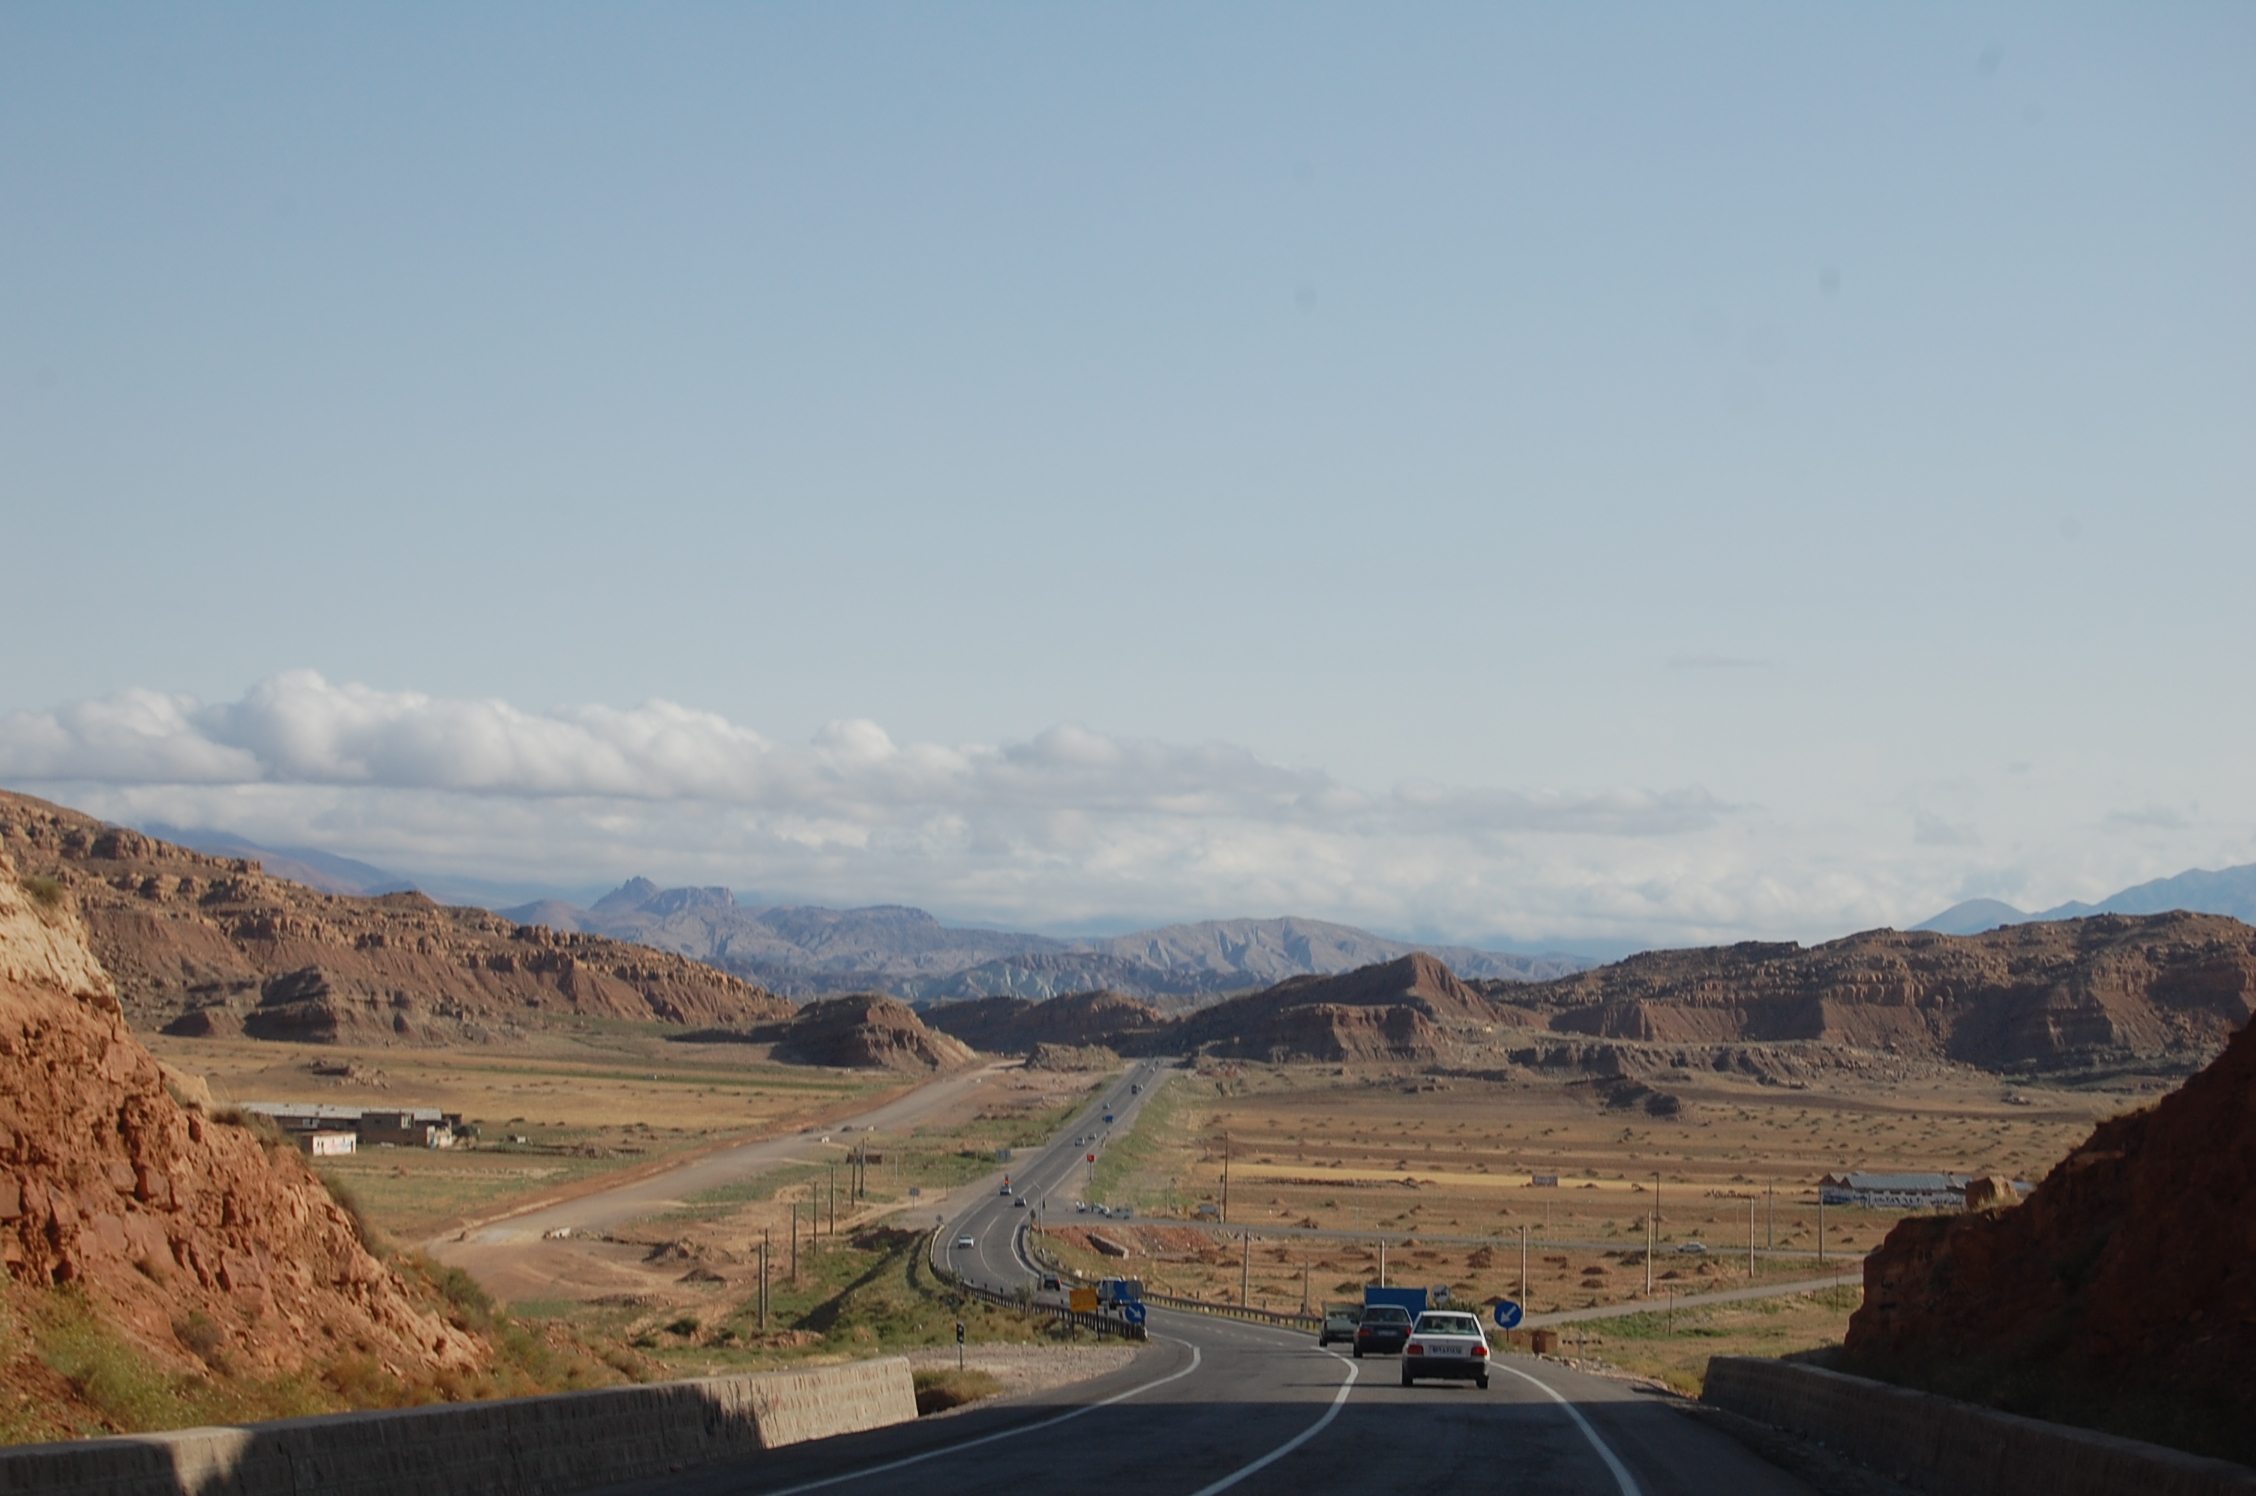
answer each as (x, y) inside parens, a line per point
(194, 1241)
(2121, 1294)
(211, 946)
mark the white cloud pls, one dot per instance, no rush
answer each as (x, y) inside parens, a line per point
(1068, 829)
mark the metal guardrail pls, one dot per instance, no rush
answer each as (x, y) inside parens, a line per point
(1102, 1324)
(1311, 1323)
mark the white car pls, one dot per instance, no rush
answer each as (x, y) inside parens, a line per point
(964, 1241)
(1446, 1344)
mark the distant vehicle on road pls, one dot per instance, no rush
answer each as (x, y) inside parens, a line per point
(1006, 1189)
(1411, 1301)
(1691, 1246)
(1446, 1345)
(1383, 1330)
(1019, 1203)
(1339, 1324)
(964, 1241)
(1136, 1090)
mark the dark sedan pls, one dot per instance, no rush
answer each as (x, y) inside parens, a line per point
(1383, 1330)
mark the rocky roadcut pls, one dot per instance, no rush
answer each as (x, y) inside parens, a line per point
(2121, 1294)
(189, 1239)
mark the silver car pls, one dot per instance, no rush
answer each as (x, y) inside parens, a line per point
(1446, 1345)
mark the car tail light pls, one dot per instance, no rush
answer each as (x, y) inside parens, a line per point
(1480, 1350)
(1415, 1349)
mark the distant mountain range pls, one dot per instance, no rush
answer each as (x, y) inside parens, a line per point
(806, 950)
(800, 950)
(2231, 891)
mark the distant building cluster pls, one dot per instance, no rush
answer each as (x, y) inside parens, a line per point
(1917, 1191)
(327, 1131)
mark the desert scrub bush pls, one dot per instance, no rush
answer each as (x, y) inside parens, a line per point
(202, 1338)
(46, 893)
(349, 1201)
(258, 1124)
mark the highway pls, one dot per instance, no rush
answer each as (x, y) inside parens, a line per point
(1214, 1405)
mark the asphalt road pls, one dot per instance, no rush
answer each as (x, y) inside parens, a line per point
(1213, 1405)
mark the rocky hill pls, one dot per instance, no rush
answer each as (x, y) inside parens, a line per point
(1016, 1025)
(1412, 1008)
(208, 945)
(2111, 989)
(868, 1031)
(2121, 1294)
(199, 1250)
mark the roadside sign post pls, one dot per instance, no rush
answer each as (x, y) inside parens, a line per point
(1508, 1315)
(959, 1345)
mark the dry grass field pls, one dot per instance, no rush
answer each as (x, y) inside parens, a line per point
(1330, 1166)
(589, 1098)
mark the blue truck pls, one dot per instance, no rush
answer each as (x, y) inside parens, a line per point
(1410, 1299)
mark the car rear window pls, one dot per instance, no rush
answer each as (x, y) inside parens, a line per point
(1386, 1314)
(1448, 1324)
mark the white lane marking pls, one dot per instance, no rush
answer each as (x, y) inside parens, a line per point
(1009, 1433)
(1339, 1401)
(1621, 1472)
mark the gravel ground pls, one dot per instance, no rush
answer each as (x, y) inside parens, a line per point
(1030, 1368)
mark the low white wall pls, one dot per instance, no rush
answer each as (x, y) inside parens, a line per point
(528, 1445)
(1938, 1444)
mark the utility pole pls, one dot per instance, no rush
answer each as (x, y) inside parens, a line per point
(795, 1241)
(1770, 1215)
(1225, 1178)
(1821, 1225)
(1656, 1205)
(763, 1282)
(832, 1173)
(1382, 1264)
(1304, 1280)
(1245, 1270)
(1524, 1267)
(1650, 1234)
(1750, 1238)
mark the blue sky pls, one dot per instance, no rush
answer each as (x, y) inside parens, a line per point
(1605, 474)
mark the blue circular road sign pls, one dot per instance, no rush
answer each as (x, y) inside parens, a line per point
(1507, 1314)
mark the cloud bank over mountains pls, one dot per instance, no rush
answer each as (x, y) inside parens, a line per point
(298, 729)
(1069, 830)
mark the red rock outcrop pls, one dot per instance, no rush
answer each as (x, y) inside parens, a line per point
(205, 945)
(2064, 993)
(180, 1233)
(1412, 1008)
(2121, 1293)
(1015, 1025)
(869, 1031)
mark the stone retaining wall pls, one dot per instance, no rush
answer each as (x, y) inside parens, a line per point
(525, 1445)
(1937, 1444)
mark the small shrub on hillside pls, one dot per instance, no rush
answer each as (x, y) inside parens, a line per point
(45, 892)
(348, 1200)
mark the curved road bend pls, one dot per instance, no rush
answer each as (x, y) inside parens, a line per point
(1213, 1405)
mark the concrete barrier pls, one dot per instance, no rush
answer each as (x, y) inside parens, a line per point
(1938, 1444)
(528, 1445)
